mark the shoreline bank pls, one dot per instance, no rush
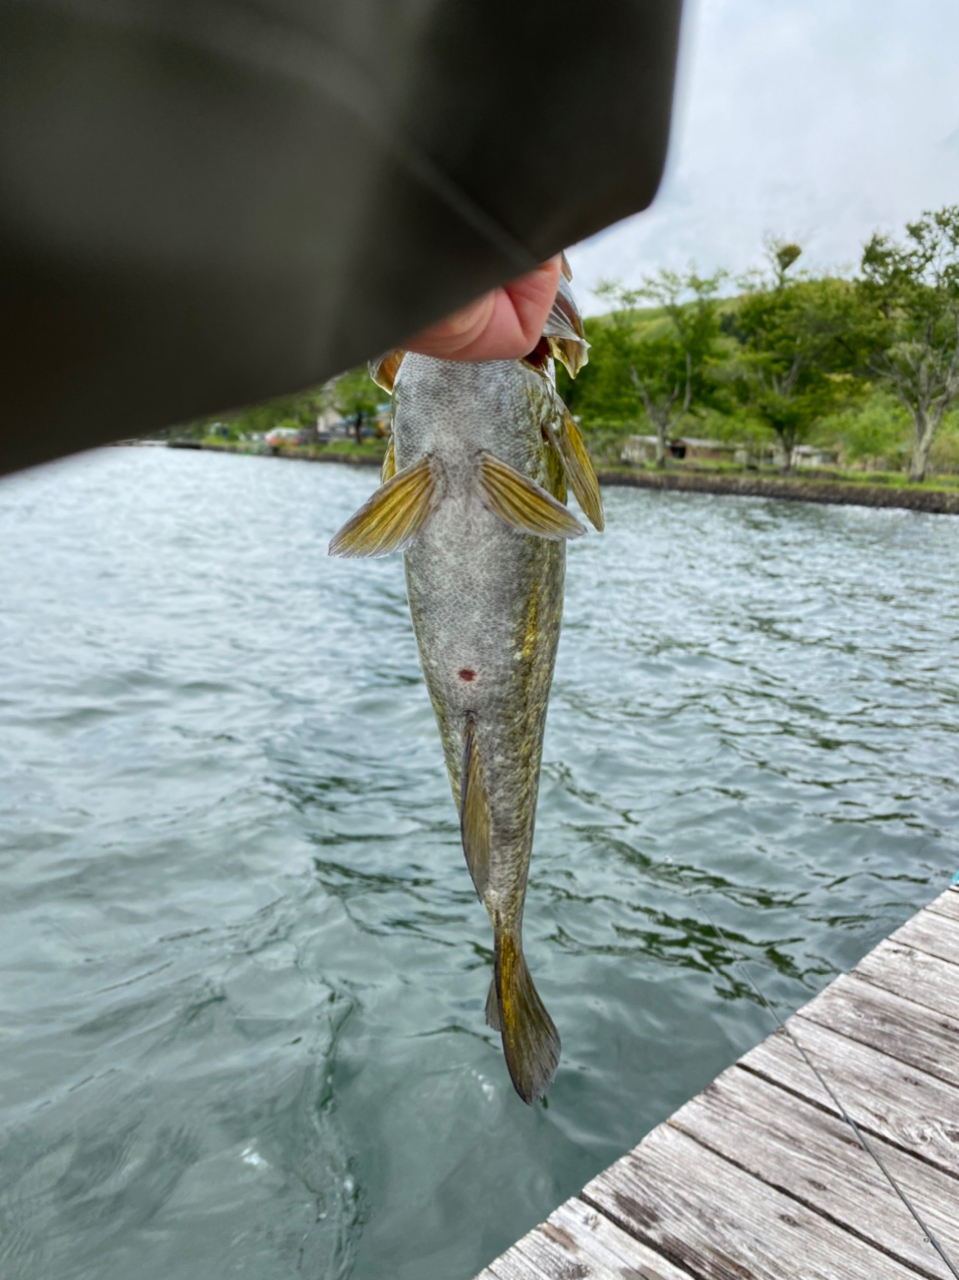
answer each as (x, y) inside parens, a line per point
(794, 489)
(834, 492)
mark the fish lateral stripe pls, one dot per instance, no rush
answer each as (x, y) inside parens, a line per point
(392, 517)
(522, 503)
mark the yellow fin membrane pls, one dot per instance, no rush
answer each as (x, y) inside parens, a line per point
(578, 468)
(564, 331)
(384, 368)
(530, 1041)
(392, 517)
(388, 469)
(522, 503)
(474, 814)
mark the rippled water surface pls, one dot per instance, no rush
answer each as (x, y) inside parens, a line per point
(241, 1028)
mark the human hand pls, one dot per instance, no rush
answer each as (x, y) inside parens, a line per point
(503, 325)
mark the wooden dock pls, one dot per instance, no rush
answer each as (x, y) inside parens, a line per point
(758, 1178)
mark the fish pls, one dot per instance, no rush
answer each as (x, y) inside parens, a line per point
(473, 491)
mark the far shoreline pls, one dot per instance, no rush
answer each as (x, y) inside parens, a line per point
(796, 488)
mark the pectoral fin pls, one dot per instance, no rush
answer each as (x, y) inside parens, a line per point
(522, 503)
(392, 517)
(578, 468)
(474, 814)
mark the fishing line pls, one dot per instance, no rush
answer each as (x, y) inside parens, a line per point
(860, 1136)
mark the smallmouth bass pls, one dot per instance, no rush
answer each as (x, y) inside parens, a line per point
(474, 486)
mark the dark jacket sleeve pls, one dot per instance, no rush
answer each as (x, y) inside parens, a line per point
(205, 203)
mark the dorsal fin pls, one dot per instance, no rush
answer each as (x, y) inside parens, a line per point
(390, 520)
(564, 332)
(578, 468)
(383, 369)
(474, 813)
(522, 503)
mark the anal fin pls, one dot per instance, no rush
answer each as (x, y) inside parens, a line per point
(474, 813)
(391, 519)
(522, 503)
(492, 1007)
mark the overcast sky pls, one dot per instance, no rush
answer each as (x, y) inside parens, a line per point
(820, 120)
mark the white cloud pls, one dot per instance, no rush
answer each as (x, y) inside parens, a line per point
(821, 122)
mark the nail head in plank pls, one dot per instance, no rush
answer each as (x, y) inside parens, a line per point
(723, 1224)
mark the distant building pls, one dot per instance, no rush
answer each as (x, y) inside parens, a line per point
(642, 449)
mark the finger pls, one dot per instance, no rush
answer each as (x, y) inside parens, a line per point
(503, 325)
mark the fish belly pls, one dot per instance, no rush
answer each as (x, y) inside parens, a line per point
(486, 604)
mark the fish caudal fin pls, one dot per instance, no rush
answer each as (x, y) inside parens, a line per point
(391, 519)
(530, 1041)
(522, 503)
(578, 468)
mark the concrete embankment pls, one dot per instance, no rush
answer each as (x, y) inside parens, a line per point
(347, 459)
(794, 489)
(936, 501)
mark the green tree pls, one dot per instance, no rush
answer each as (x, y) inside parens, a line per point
(910, 322)
(794, 363)
(356, 396)
(658, 362)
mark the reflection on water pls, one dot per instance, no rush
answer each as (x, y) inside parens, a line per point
(244, 965)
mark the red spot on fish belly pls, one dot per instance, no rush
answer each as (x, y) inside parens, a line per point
(466, 674)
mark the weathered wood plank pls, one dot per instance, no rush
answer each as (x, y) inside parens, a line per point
(723, 1224)
(887, 1022)
(597, 1237)
(573, 1244)
(914, 975)
(554, 1251)
(907, 1107)
(947, 904)
(936, 934)
(512, 1265)
(814, 1156)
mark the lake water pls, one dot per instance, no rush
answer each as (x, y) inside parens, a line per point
(241, 1027)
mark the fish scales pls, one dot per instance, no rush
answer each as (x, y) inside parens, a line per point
(485, 599)
(474, 486)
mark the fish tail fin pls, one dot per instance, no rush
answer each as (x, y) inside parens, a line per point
(530, 1041)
